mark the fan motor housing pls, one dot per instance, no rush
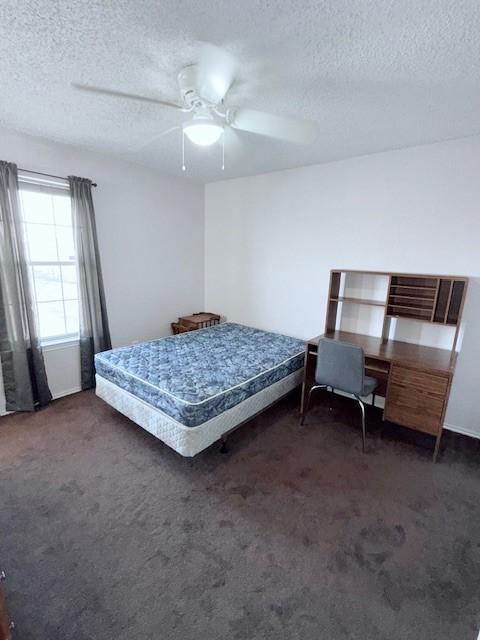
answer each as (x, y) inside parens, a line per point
(188, 83)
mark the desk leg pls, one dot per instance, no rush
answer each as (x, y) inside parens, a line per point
(308, 376)
(437, 445)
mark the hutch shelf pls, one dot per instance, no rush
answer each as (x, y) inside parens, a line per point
(435, 299)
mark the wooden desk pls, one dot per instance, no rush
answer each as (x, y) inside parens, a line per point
(414, 380)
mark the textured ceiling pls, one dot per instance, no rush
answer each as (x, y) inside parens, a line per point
(371, 75)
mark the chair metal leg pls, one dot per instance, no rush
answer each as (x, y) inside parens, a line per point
(364, 435)
(306, 408)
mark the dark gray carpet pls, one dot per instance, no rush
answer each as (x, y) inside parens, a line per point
(108, 534)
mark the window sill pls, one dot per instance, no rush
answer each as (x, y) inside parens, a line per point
(60, 343)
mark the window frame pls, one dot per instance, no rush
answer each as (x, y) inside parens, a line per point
(28, 182)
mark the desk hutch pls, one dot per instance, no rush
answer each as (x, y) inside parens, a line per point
(414, 379)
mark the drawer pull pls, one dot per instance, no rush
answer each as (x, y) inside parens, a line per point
(3, 576)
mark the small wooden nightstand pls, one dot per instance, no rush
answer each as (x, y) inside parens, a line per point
(195, 321)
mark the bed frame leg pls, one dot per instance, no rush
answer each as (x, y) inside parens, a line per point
(224, 447)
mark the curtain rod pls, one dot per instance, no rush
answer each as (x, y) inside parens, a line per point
(49, 175)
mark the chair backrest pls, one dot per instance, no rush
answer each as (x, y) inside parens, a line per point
(340, 365)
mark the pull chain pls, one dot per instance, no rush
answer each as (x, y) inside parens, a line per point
(223, 150)
(183, 151)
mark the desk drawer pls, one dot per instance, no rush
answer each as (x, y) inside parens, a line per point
(416, 399)
(430, 383)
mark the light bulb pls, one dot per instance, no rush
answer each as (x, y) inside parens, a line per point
(203, 132)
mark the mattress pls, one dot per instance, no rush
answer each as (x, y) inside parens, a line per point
(194, 377)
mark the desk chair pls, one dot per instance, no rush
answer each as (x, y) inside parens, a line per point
(342, 366)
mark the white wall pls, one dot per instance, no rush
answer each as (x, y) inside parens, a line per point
(272, 239)
(150, 234)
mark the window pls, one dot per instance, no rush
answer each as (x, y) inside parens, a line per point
(47, 223)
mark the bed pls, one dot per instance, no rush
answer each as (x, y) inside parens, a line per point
(191, 389)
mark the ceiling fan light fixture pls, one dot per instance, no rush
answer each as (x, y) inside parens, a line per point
(203, 131)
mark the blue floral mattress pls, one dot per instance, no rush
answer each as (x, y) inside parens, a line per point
(195, 376)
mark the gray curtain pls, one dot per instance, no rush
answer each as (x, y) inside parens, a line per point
(94, 331)
(23, 369)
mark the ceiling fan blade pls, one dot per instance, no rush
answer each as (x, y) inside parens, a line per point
(128, 96)
(216, 72)
(154, 139)
(267, 124)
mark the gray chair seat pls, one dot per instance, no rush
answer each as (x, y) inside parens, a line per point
(369, 385)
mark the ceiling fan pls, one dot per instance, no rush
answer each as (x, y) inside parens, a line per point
(203, 87)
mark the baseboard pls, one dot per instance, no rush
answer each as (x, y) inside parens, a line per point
(463, 431)
(67, 392)
(449, 427)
